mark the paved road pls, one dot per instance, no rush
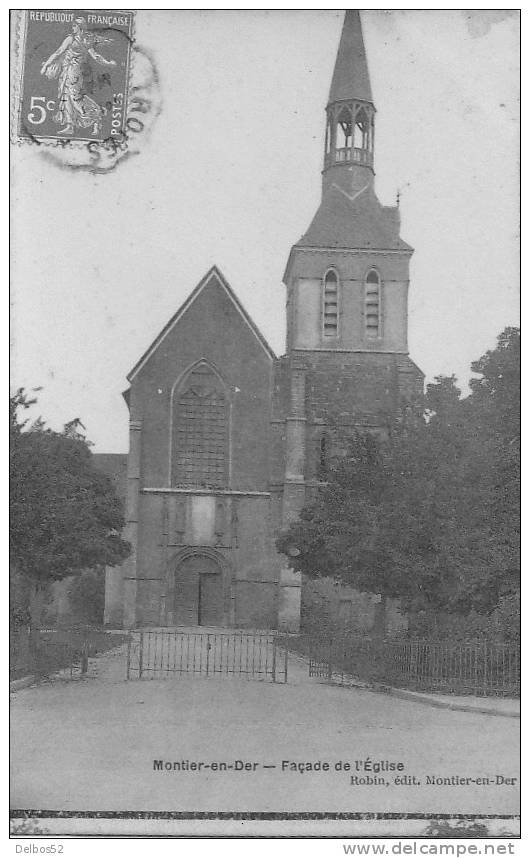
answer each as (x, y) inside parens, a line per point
(90, 745)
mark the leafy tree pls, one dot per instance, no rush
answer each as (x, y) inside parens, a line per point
(430, 515)
(64, 515)
(494, 408)
(498, 389)
(443, 397)
(374, 523)
(86, 595)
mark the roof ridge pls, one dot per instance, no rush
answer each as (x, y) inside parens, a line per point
(359, 222)
(214, 271)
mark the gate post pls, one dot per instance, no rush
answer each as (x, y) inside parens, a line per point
(285, 664)
(128, 657)
(207, 653)
(274, 658)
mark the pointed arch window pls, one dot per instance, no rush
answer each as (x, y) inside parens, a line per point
(331, 304)
(372, 305)
(200, 431)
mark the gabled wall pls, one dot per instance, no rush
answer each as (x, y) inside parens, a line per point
(210, 329)
(179, 529)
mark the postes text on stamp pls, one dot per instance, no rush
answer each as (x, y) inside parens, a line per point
(74, 69)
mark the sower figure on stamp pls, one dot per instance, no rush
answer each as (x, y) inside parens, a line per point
(76, 108)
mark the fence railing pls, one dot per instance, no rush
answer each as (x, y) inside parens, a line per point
(43, 652)
(159, 654)
(478, 667)
(347, 153)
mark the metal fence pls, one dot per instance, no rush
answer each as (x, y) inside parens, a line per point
(45, 652)
(479, 668)
(160, 654)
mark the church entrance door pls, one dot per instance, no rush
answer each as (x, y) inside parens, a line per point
(210, 599)
(198, 592)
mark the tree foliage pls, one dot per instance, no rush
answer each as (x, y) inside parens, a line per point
(86, 595)
(64, 516)
(431, 514)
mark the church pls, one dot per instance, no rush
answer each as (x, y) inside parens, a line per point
(227, 440)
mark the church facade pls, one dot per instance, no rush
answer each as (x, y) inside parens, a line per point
(227, 441)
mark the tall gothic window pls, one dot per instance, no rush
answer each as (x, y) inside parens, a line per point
(200, 431)
(372, 305)
(331, 304)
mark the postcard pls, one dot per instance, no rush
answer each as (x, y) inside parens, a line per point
(265, 423)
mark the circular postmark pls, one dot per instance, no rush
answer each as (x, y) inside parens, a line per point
(143, 107)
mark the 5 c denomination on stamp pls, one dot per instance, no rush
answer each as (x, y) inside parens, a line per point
(73, 71)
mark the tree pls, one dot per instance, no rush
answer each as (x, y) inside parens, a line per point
(64, 514)
(373, 524)
(430, 514)
(498, 389)
(495, 409)
(86, 595)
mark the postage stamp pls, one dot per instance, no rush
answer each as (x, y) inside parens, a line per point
(73, 74)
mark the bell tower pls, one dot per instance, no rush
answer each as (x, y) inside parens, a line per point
(350, 113)
(347, 281)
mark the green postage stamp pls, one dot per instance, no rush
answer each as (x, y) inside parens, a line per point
(72, 71)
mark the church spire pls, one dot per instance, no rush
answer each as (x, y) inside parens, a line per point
(350, 77)
(349, 148)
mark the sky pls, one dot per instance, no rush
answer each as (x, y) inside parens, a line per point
(229, 173)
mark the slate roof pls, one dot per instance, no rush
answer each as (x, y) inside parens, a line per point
(213, 275)
(358, 223)
(350, 77)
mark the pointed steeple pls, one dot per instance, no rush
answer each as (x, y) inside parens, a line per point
(350, 215)
(350, 77)
(349, 146)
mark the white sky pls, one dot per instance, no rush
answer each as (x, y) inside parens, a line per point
(231, 175)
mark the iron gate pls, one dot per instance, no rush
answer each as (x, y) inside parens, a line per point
(161, 654)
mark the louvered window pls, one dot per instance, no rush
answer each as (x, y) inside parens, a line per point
(200, 432)
(331, 304)
(372, 305)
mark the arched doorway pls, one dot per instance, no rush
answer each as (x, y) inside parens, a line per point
(198, 591)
